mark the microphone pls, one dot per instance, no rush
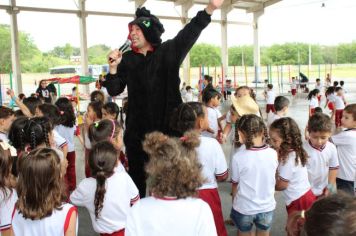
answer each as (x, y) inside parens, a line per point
(124, 48)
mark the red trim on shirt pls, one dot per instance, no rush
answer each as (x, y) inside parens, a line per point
(135, 199)
(5, 227)
(234, 182)
(319, 149)
(13, 212)
(283, 179)
(222, 174)
(68, 216)
(63, 144)
(263, 147)
(334, 168)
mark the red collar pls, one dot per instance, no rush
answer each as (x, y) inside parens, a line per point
(254, 148)
(319, 149)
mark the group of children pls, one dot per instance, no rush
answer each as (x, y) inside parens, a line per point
(39, 193)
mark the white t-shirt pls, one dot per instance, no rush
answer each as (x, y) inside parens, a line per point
(331, 97)
(320, 161)
(68, 134)
(121, 192)
(162, 217)
(4, 137)
(212, 157)
(319, 87)
(272, 117)
(270, 96)
(339, 103)
(345, 142)
(54, 225)
(58, 139)
(254, 171)
(313, 103)
(6, 208)
(297, 178)
(188, 97)
(213, 116)
(293, 85)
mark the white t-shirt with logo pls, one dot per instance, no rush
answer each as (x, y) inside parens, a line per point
(345, 142)
(213, 115)
(174, 217)
(121, 192)
(7, 206)
(254, 171)
(296, 176)
(320, 161)
(211, 156)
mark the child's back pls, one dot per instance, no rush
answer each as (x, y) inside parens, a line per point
(169, 216)
(254, 171)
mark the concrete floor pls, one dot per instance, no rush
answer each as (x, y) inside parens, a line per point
(298, 110)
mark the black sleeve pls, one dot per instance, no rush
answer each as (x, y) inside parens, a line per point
(186, 38)
(115, 84)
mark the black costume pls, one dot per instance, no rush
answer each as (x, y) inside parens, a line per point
(153, 86)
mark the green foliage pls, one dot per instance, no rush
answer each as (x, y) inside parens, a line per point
(239, 55)
(97, 54)
(205, 54)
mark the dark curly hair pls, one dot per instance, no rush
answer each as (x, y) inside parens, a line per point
(185, 116)
(251, 126)
(289, 132)
(67, 112)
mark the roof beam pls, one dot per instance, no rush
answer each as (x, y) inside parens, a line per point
(262, 6)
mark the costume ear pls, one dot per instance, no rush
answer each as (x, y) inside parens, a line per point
(142, 12)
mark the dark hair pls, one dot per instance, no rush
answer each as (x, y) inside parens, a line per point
(103, 158)
(17, 133)
(6, 112)
(97, 106)
(289, 132)
(208, 78)
(252, 93)
(40, 187)
(337, 89)
(318, 110)
(74, 88)
(52, 112)
(124, 109)
(67, 112)
(112, 108)
(342, 82)
(336, 83)
(184, 117)
(332, 216)
(97, 95)
(173, 167)
(36, 131)
(21, 96)
(281, 102)
(270, 86)
(103, 130)
(313, 93)
(319, 122)
(32, 103)
(188, 88)
(210, 94)
(351, 109)
(317, 80)
(251, 126)
(39, 84)
(330, 90)
(6, 162)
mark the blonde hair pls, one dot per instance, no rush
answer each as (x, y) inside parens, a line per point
(173, 167)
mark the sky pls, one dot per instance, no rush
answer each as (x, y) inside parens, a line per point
(287, 21)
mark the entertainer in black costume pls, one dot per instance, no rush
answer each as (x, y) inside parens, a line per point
(151, 73)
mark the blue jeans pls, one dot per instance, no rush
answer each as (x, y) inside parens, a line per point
(244, 223)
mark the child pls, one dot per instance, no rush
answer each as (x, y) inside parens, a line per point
(43, 92)
(330, 99)
(342, 83)
(292, 176)
(294, 87)
(107, 195)
(339, 105)
(253, 178)
(193, 116)
(8, 196)
(281, 104)
(111, 131)
(32, 103)
(189, 94)
(345, 143)
(40, 209)
(110, 111)
(7, 116)
(97, 95)
(323, 160)
(320, 87)
(211, 99)
(313, 98)
(66, 129)
(174, 175)
(270, 96)
(93, 114)
(53, 114)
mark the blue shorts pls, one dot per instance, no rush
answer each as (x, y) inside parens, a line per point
(244, 223)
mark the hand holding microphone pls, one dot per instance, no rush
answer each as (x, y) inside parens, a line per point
(116, 54)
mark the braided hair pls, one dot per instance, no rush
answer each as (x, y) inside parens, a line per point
(252, 126)
(36, 132)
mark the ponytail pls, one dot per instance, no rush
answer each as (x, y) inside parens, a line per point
(100, 192)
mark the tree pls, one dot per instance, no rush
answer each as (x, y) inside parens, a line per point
(97, 54)
(205, 54)
(244, 54)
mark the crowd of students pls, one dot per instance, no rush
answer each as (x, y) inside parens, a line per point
(39, 192)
